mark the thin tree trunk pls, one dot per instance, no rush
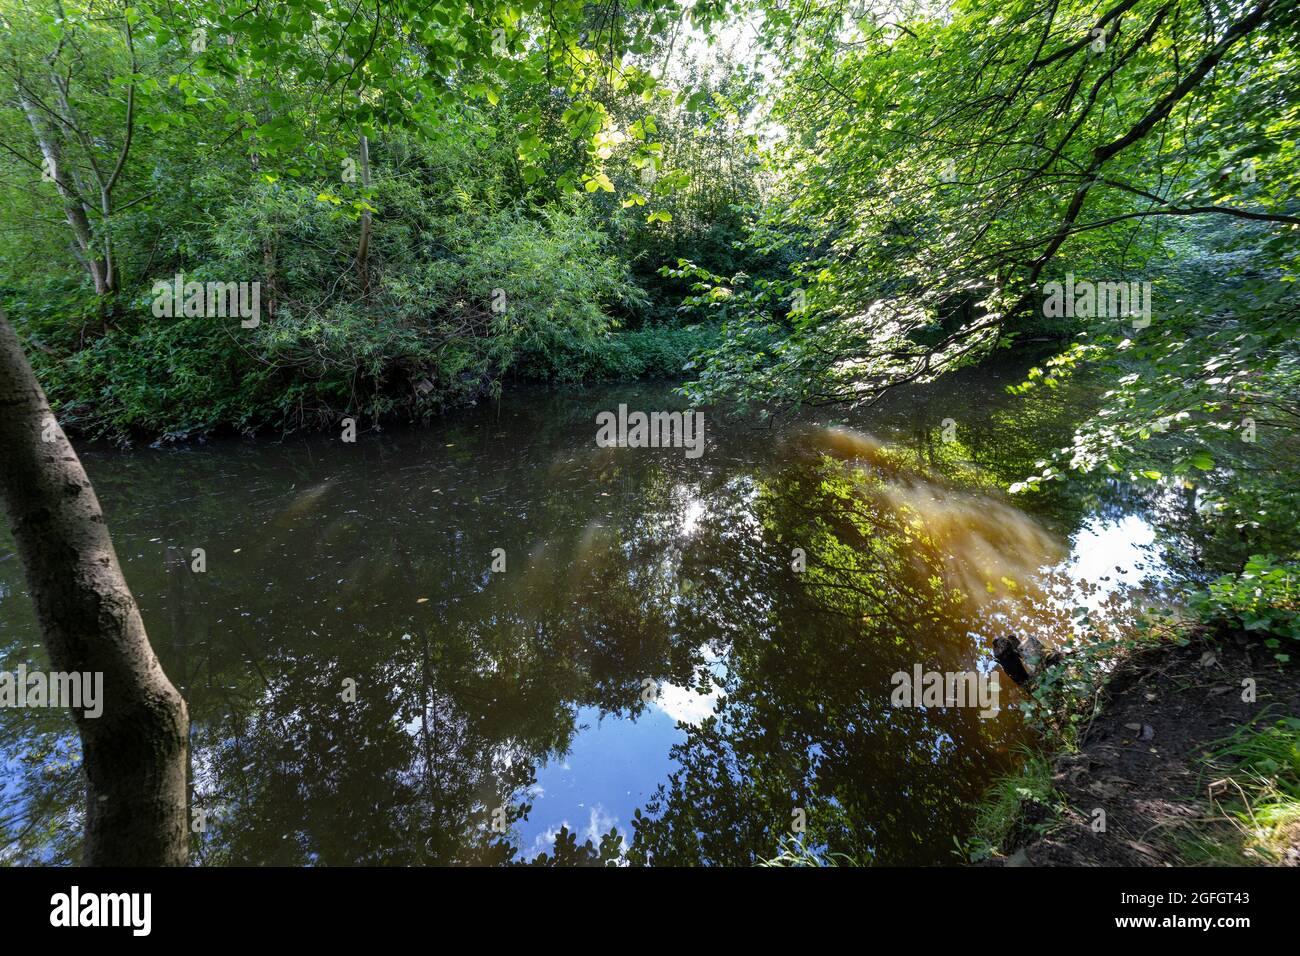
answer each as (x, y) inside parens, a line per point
(363, 249)
(134, 753)
(268, 242)
(51, 148)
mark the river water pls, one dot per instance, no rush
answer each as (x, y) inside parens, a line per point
(492, 640)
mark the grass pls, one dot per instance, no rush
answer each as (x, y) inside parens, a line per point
(1254, 798)
(797, 853)
(1006, 805)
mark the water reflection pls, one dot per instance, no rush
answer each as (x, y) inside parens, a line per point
(650, 675)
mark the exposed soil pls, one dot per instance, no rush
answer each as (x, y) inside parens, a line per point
(1141, 761)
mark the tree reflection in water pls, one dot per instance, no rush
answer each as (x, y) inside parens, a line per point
(623, 566)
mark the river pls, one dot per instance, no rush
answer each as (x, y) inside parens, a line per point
(473, 642)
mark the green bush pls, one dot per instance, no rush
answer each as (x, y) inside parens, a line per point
(1264, 598)
(483, 295)
(663, 352)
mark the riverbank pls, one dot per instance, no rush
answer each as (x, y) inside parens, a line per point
(1191, 757)
(192, 379)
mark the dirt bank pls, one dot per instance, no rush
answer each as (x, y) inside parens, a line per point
(1143, 762)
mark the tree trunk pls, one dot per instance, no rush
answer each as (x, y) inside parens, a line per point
(268, 247)
(47, 137)
(134, 753)
(363, 248)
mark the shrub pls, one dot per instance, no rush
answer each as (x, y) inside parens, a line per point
(1264, 598)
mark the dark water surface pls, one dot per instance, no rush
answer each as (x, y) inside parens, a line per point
(648, 662)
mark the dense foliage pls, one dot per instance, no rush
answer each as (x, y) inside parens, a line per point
(948, 178)
(420, 223)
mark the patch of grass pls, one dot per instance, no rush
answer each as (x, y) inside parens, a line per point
(1254, 793)
(1016, 805)
(798, 853)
